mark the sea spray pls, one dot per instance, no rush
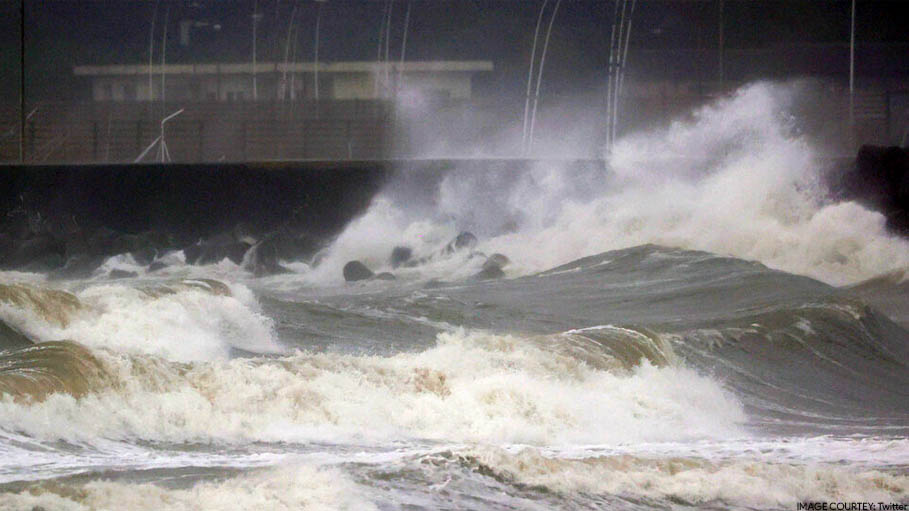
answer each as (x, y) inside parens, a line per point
(735, 178)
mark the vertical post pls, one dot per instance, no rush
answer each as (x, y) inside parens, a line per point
(610, 85)
(255, 21)
(533, 55)
(22, 81)
(852, 73)
(95, 140)
(163, 63)
(151, 52)
(199, 133)
(536, 96)
(722, 49)
(315, 78)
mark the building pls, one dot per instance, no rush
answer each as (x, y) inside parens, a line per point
(270, 81)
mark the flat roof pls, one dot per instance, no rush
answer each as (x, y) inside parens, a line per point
(437, 66)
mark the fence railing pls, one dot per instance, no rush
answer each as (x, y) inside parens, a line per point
(119, 132)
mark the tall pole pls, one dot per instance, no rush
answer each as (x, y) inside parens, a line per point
(533, 56)
(164, 61)
(315, 77)
(618, 72)
(255, 21)
(151, 54)
(391, 6)
(722, 48)
(406, 27)
(403, 46)
(611, 77)
(536, 98)
(621, 80)
(290, 25)
(379, 48)
(852, 72)
(22, 81)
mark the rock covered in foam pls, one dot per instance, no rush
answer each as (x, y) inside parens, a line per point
(493, 267)
(463, 241)
(400, 256)
(355, 271)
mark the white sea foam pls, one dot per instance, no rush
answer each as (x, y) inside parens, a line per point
(186, 323)
(280, 488)
(471, 387)
(740, 482)
(735, 179)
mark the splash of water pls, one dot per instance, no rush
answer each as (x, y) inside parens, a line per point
(736, 178)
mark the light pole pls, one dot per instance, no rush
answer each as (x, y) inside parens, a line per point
(852, 74)
(22, 81)
(316, 52)
(255, 22)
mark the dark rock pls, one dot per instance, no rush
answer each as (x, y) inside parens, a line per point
(11, 338)
(7, 244)
(497, 259)
(78, 267)
(32, 250)
(245, 233)
(144, 256)
(122, 274)
(44, 263)
(492, 268)
(281, 245)
(880, 179)
(385, 276)
(216, 250)
(263, 260)
(155, 266)
(355, 270)
(16, 225)
(400, 256)
(107, 242)
(76, 246)
(489, 273)
(463, 241)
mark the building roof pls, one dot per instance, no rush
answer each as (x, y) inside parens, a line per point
(447, 66)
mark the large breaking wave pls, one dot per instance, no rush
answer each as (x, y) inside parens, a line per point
(736, 178)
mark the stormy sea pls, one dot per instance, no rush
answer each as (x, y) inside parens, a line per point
(698, 325)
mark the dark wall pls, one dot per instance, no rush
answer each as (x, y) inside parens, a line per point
(192, 201)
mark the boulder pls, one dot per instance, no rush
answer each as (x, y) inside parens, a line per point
(32, 250)
(281, 245)
(463, 241)
(500, 260)
(355, 270)
(262, 260)
(122, 274)
(79, 266)
(156, 266)
(492, 268)
(400, 256)
(7, 244)
(107, 242)
(215, 250)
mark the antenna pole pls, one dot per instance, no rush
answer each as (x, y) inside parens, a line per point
(22, 81)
